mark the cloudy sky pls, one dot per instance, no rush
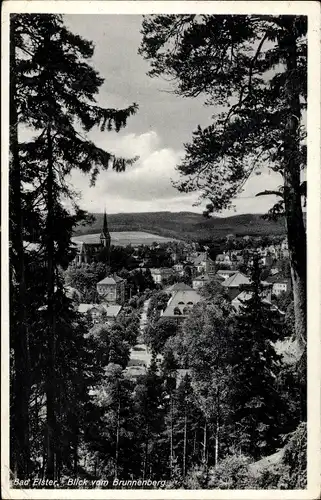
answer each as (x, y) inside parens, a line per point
(156, 133)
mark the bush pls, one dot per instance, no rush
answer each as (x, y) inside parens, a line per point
(231, 473)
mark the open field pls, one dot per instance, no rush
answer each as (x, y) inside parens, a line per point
(125, 238)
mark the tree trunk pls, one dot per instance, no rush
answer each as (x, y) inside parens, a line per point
(19, 330)
(146, 452)
(171, 439)
(217, 429)
(292, 195)
(117, 437)
(51, 336)
(204, 442)
(185, 444)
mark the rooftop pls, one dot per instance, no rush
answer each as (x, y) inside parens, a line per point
(112, 311)
(202, 257)
(110, 280)
(203, 277)
(236, 280)
(178, 286)
(229, 272)
(182, 299)
(277, 279)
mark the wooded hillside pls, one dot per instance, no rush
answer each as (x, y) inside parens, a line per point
(186, 225)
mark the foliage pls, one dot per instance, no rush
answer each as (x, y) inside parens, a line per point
(157, 303)
(295, 457)
(85, 279)
(110, 345)
(158, 333)
(256, 404)
(230, 474)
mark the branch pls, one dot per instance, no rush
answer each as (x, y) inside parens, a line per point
(249, 83)
(267, 192)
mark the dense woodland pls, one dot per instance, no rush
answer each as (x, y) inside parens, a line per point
(226, 394)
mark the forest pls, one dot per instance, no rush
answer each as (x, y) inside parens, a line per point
(227, 395)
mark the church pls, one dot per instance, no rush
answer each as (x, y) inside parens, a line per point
(91, 247)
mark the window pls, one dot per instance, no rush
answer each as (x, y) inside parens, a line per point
(181, 303)
(177, 311)
(190, 303)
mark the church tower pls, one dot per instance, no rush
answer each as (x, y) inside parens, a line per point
(105, 238)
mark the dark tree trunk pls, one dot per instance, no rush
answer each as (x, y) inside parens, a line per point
(19, 330)
(146, 452)
(171, 437)
(185, 443)
(117, 437)
(292, 195)
(51, 335)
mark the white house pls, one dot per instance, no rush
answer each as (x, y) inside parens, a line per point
(100, 312)
(279, 284)
(158, 274)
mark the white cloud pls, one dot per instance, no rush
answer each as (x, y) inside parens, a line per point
(146, 185)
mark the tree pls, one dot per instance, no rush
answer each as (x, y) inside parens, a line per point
(255, 69)
(113, 434)
(52, 88)
(111, 347)
(157, 303)
(85, 279)
(149, 401)
(158, 333)
(256, 404)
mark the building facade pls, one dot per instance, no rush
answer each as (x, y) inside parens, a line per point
(112, 289)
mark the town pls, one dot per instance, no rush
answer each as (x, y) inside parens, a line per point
(187, 270)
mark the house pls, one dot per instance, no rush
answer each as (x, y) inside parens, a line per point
(203, 263)
(100, 312)
(237, 259)
(265, 259)
(223, 258)
(158, 274)
(284, 248)
(199, 281)
(179, 268)
(272, 250)
(279, 284)
(180, 304)
(112, 289)
(235, 282)
(225, 273)
(244, 296)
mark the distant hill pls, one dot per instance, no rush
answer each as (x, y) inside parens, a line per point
(186, 225)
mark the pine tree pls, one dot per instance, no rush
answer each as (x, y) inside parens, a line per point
(254, 68)
(113, 434)
(53, 93)
(149, 396)
(255, 401)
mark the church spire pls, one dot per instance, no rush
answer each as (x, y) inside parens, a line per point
(105, 238)
(105, 225)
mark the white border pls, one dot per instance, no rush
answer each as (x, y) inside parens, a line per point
(312, 10)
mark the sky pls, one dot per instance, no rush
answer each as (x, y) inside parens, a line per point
(157, 133)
